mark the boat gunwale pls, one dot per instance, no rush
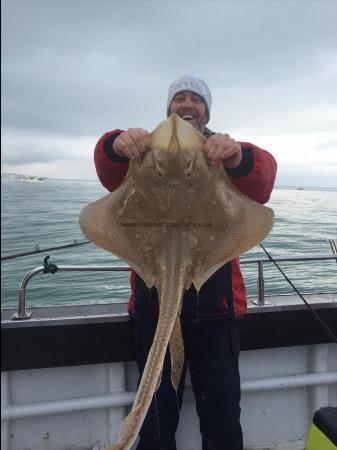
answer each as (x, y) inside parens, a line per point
(273, 303)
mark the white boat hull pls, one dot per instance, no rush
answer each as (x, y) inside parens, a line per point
(81, 407)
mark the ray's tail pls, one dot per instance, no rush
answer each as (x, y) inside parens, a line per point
(171, 285)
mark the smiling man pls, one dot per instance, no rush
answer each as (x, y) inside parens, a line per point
(191, 99)
(211, 318)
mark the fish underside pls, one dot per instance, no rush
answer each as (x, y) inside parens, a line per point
(175, 220)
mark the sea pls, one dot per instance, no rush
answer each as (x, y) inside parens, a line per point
(44, 214)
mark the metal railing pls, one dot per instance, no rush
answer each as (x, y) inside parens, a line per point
(22, 313)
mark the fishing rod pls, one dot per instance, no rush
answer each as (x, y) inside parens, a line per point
(38, 250)
(314, 312)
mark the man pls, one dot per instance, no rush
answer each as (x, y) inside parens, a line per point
(211, 318)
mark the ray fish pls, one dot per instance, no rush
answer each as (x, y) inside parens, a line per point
(175, 220)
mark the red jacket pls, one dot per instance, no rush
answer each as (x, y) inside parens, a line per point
(224, 294)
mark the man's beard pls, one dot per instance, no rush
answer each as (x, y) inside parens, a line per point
(196, 122)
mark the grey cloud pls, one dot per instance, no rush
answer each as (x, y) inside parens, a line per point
(21, 154)
(302, 175)
(328, 145)
(83, 67)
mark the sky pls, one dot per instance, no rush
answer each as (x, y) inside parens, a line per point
(72, 70)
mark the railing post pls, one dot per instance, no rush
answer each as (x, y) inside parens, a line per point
(333, 245)
(22, 313)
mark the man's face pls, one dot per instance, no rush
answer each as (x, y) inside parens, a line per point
(190, 107)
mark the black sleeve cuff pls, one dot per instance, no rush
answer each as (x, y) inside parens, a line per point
(245, 165)
(109, 151)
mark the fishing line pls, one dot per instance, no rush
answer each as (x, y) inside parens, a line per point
(316, 315)
(38, 250)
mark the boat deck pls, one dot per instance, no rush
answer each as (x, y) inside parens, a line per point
(69, 375)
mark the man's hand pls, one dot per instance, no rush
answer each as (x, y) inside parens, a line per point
(221, 147)
(132, 143)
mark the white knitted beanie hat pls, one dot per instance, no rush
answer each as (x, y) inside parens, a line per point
(193, 84)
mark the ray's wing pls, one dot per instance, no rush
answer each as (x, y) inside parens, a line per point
(119, 223)
(235, 225)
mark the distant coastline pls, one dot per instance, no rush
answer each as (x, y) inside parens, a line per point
(19, 176)
(306, 188)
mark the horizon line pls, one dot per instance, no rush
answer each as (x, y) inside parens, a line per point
(277, 186)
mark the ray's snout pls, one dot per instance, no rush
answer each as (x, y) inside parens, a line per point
(175, 144)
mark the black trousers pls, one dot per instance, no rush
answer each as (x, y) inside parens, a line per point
(212, 354)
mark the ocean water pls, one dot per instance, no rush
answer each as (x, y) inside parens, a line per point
(46, 214)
